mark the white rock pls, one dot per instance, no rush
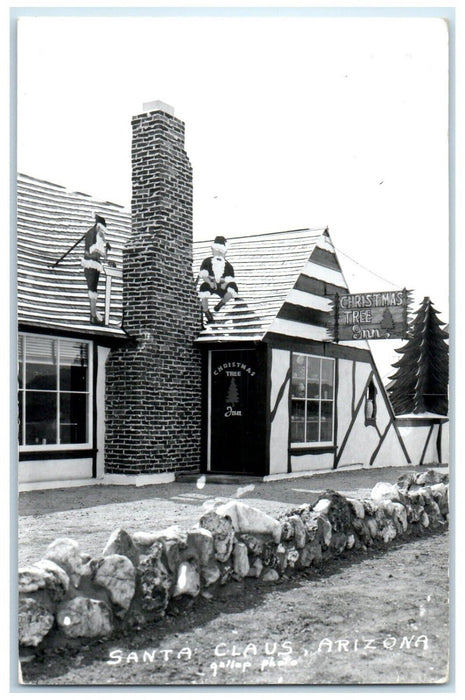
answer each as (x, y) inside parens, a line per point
(429, 477)
(440, 494)
(210, 574)
(287, 529)
(400, 514)
(434, 508)
(120, 542)
(416, 513)
(147, 539)
(386, 508)
(440, 489)
(155, 581)
(372, 526)
(256, 568)
(322, 506)
(226, 575)
(385, 491)
(60, 577)
(300, 533)
(424, 520)
(240, 559)
(30, 579)
(358, 508)
(201, 541)
(426, 494)
(65, 552)
(44, 574)
(84, 617)
(144, 539)
(174, 532)
(270, 576)
(34, 622)
(223, 547)
(350, 541)
(246, 519)
(188, 580)
(388, 532)
(327, 529)
(222, 530)
(117, 574)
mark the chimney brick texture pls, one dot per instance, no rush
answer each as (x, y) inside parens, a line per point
(153, 383)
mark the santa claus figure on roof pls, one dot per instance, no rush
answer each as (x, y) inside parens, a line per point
(216, 277)
(95, 254)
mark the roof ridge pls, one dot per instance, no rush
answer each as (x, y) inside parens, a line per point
(268, 233)
(68, 190)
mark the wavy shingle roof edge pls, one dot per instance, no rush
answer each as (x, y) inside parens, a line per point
(283, 277)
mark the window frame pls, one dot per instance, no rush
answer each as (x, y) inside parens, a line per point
(58, 446)
(371, 394)
(320, 400)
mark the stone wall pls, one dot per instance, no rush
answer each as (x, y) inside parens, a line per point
(138, 577)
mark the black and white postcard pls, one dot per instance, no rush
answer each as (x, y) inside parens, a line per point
(232, 238)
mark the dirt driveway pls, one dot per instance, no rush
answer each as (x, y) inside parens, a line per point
(89, 513)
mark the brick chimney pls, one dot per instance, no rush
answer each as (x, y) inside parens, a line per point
(153, 383)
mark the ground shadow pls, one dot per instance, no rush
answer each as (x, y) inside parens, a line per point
(288, 491)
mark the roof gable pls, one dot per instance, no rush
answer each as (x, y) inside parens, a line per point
(306, 310)
(284, 280)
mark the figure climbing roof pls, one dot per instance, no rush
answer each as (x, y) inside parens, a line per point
(50, 219)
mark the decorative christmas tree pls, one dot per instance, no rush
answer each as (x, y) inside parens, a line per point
(233, 394)
(387, 323)
(420, 384)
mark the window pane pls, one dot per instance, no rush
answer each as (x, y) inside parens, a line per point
(298, 376)
(327, 367)
(313, 378)
(20, 360)
(312, 421)
(298, 388)
(41, 349)
(20, 417)
(41, 376)
(73, 418)
(41, 363)
(297, 421)
(41, 413)
(326, 421)
(73, 366)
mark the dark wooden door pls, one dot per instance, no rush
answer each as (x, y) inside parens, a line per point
(235, 420)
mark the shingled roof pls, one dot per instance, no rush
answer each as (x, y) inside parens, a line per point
(50, 219)
(284, 278)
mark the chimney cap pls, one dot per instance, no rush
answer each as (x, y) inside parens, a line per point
(158, 106)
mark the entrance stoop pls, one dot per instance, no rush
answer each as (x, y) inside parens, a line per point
(218, 478)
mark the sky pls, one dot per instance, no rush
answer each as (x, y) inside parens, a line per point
(291, 122)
